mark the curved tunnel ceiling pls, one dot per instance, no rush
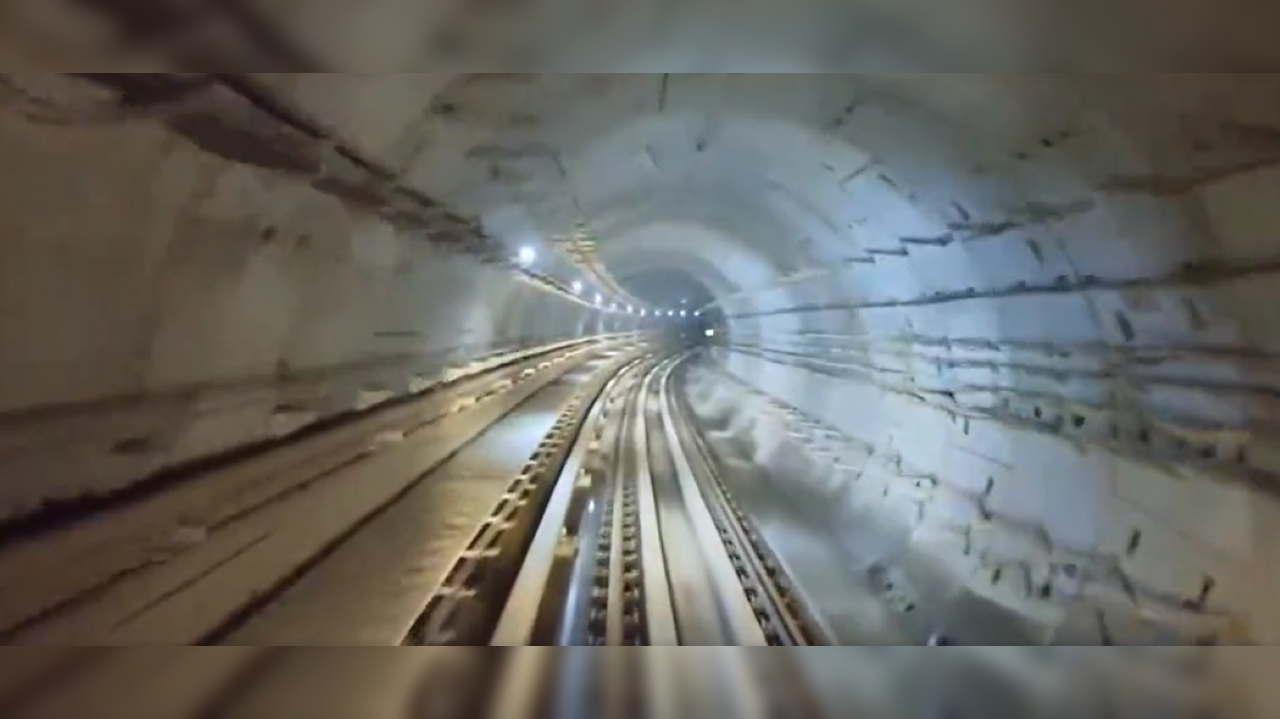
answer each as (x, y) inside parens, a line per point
(1050, 292)
(668, 287)
(1031, 286)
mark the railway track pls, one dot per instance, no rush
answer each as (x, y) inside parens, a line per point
(607, 524)
(615, 531)
(638, 543)
(641, 543)
(216, 558)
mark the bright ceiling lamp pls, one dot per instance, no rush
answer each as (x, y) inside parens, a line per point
(577, 287)
(711, 332)
(527, 256)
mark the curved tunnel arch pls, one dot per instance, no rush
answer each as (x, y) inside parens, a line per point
(1026, 233)
(1045, 293)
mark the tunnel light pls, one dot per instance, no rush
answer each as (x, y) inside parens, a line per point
(599, 299)
(613, 307)
(643, 312)
(577, 287)
(526, 256)
(631, 310)
(684, 313)
(711, 332)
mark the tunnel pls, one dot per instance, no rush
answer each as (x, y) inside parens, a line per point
(973, 358)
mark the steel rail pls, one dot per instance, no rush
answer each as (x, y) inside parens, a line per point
(550, 544)
(659, 611)
(740, 619)
(474, 593)
(785, 621)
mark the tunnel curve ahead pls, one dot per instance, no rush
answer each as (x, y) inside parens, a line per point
(1034, 308)
(1027, 289)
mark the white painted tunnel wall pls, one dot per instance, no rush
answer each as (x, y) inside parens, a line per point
(160, 305)
(987, 395)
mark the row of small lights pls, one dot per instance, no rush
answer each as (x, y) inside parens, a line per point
(528, 256)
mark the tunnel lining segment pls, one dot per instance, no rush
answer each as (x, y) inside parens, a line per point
(942, 507)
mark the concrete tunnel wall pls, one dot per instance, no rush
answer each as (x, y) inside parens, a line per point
(1041, 293)
(1049, 293)
(162, 305)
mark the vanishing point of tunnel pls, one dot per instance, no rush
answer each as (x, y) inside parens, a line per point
(784, 358)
